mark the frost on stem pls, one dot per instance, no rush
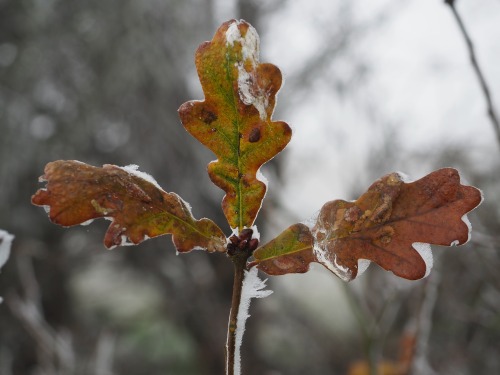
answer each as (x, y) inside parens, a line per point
(5, 244)
(253, 287)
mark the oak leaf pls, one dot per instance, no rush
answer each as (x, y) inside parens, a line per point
(234, 120)
(77, 193)
(391, 224)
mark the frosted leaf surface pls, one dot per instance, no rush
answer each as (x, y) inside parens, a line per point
(133, 169)
(404, 177)
(329, 260)
(253, 287)
(250, 53)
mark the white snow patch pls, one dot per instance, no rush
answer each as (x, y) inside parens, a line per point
(363, 265)
(256, 233)
(424, 249)
(249, 44)
(466, 220)
(188, 205)
(233, 33)
(134, 170)
(124, 241)
(235, 232)
(404, 177)
(325, 258)
(198, 248)
(5, 243)
(262, 178)
(250, 51)
(88, 222)
(253, 287)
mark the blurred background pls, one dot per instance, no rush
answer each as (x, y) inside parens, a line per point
(370, 87)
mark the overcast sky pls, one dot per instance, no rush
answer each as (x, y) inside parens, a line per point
(420, 85)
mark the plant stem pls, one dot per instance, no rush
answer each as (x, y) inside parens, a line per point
(480, 76)
(239, 268)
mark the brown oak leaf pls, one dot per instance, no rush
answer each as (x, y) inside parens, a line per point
(391, 224)
(77, 193)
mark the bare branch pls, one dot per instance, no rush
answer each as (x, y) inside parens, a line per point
(55, 349)
(492, 114)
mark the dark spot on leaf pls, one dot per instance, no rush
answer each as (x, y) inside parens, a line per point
(254, 135)
(207, 116)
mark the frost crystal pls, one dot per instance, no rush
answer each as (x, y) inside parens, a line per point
(5, 243)
(404, 177)
(253, 287)
(465, 219)
(363, 265)
(250, 52)
(262, 178)
(328, 259)
(255, 234)
(124, 241)
(424, 250)
(88, 222)
(330, 262)
(236, 232)
(133, 169)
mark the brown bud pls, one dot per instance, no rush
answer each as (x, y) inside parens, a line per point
(231, 249)
(246, 234)
(252, 244)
